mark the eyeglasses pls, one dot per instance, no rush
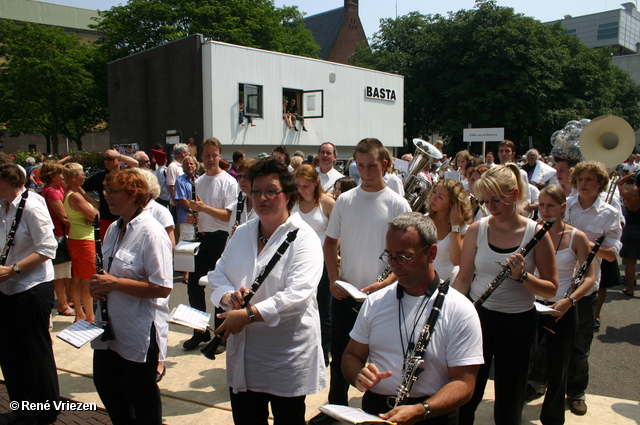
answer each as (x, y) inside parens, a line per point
(111, 192)
(400, 259)
(270, 193)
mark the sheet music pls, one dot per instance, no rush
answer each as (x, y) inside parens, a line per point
(80, 333)
(190, 317)
(351, 415)
(541, 308)
(352, 290)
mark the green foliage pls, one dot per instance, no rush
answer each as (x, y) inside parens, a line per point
(140, 25)
(49, 82)
(85, 158)
(492, 67)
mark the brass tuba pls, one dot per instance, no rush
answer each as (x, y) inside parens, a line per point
(416, 189)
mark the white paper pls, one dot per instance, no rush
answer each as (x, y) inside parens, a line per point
(351, 415)
(352, 290)
(190, 317)
(541, 308)
(184, 257)
(80, 333)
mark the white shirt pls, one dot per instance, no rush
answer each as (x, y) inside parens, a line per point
(144, 253)
(174, 170)
(597, 219)
(456, 339)
(34, 234)
(442, 264)
(394, 183)
(219, 191)
(360, 220)
(160, 213)
(327, 180)
(283, 354)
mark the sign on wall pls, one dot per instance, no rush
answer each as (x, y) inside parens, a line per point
(380, 93)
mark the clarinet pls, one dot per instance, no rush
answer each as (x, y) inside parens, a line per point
(505, 271)
(12, 230)
(576, 280)
(194, 213)
(107, 335)
(239, 208)
(416, 357)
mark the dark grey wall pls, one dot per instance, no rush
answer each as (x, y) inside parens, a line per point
(155, 91)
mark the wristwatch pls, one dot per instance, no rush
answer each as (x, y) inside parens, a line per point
(456, 229)
(252, 317)
(523, 278)
(427, 411)
(573, 300)
(16, 268)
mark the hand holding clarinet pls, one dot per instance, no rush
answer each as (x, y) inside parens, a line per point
(100, 284)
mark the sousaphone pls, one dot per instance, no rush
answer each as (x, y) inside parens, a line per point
(608, 139)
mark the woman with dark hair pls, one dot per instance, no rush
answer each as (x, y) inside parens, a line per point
(273, 348)
(314, 207)
(136, 282)
(343, 185)
(26, 299)
(53, 193)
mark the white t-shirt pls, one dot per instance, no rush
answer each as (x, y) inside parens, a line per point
(283, 354)
(316, 218)
(456, 339)
(360, 220)
(219, 191)
(328, 179)
(145, 254)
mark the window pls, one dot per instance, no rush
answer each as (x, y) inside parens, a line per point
(606, 31)
(309, 104)
(252, 96)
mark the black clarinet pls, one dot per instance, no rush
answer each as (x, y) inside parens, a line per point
(107, 335)
(239, 209)
(14, 227)
(209, 350)
(576, 280)
(505, 271)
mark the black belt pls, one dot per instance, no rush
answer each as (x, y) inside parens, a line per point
(543, 302)
(213, 234)
(390, 400)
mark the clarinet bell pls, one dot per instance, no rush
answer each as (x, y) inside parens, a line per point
(209, 350)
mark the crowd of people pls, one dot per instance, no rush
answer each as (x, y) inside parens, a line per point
(282, 239)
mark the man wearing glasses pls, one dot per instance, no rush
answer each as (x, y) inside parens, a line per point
(359, 220)
(389, 326)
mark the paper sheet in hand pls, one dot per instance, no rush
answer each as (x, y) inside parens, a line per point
(80, 333)
(352, 290)
(190, 317)
(351, 415)
(541, 308)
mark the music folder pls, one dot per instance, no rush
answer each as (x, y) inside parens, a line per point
(190, 317)
(352, 415)
(80, 333)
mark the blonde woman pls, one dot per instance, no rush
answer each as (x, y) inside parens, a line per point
(82, 248)
(508, 317)
(450, 211)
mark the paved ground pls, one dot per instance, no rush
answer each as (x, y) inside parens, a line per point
(194, 389)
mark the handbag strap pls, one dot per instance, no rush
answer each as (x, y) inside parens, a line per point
(291, 236)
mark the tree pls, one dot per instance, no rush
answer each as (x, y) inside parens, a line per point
(492, 67)
(48, 83)
(140, 25)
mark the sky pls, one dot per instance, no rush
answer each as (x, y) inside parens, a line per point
(371, 11)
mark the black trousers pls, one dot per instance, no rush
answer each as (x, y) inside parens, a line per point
(252, 408)
(376, 403)
(324, 298)
(508, 340)
(128, 389)
(26, 357)
(211, 247)
(343, 317)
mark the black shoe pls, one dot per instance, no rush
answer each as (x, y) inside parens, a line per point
(321, 419)
(304, 129)
(159, 375)
(196, 339)
(532, 394)
(596, 326)
(295, 128)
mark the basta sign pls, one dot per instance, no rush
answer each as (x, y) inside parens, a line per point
(380, 93)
